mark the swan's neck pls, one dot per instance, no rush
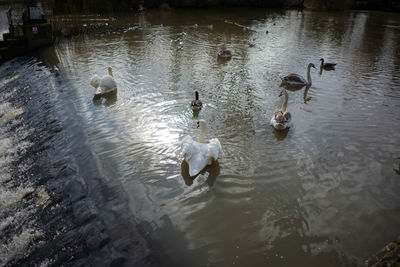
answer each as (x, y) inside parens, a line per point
(285, 101)
(197, 95)
(322, 62)
(110, 72)
(309, 75)
(202, 137)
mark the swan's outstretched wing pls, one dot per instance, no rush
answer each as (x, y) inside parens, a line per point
(213, 149)
(196, 163)
(187, 146)
(293, 78)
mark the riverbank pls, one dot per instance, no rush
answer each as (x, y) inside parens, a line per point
(387, 256)
(48, 215)
(102, 6)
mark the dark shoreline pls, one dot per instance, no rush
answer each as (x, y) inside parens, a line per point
(105, 7)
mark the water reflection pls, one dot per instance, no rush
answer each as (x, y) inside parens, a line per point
(280, 134)
(305, 98)
(107, 99)
(321, 69)
(333, 168)
(212, 170)
(196, 112)
(292, 87)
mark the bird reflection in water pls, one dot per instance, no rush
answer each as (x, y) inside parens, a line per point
(280, 134)
(306, 99)
(292, 87)
(398, 170)
(195, 112)
(106, 99)
(213, 171)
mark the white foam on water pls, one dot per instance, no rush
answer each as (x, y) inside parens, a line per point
(10, 197)
(42, 198)
(18, 245)
(13, 215)
(10, 115)
(6, 81)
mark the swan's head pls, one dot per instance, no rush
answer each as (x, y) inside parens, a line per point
(322, 59)
(311, 66)
(110, 71)
(201, 124)
(283, 92)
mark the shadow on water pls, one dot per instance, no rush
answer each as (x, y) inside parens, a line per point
(107, 99)
(213, 171)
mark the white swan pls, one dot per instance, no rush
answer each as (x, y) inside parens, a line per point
(295, 79)
(281, 118)
(199, 154)
(104, 85)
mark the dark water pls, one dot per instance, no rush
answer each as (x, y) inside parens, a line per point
(325, 193)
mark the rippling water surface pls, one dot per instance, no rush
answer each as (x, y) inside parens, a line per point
(324, 193)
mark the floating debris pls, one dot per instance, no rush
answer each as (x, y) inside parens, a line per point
(9, 198)
(15, 77)
(43, 199)
(195, 26)
(210, 26)
(133, 28)
(10, 115)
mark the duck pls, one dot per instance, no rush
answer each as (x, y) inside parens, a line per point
(224, 53)
(104, 85)
(281, 118)
(295, 79)
(200, 154)
(327, 65)
(196, 103)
